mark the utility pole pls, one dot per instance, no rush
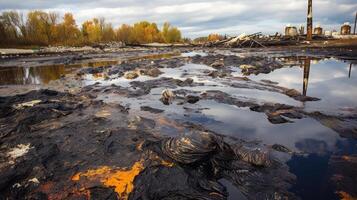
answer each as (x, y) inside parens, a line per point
(354, 31)
(309, 21)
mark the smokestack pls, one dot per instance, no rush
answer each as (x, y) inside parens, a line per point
(309, 21)
(354, 31)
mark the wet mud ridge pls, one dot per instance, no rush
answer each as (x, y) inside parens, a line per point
(141, 129)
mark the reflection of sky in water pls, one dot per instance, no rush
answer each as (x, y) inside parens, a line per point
(193, 53)
(196, 72)
(328, 80)
(244, 123)
(316, 143)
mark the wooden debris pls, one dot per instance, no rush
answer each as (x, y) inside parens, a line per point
(254, 40)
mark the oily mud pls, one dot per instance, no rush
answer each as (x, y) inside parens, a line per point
(212, 124)
(65, 146)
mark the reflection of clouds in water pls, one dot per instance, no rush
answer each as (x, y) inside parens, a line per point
(194, 70)
(334, 94)
(194, 53)
(327, 70)
(292, 77)
(252, 125)
(312, 146)
(328, 81)
(90, 79)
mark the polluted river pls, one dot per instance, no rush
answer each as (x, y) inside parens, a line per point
(184, 123)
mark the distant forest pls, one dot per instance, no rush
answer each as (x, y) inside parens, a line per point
(40, 28)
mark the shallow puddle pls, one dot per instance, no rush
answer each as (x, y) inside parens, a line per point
(331, 80)
(43, 74)
(40, 75)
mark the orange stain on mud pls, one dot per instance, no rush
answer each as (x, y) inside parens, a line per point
(120, 180)
(167, 163)
(352, 159)
(166, 122)
(346, 196)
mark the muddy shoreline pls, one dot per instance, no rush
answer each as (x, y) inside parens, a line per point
(135, 124)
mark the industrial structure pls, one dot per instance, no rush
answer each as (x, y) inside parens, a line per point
(354, 31)
(309, 21)
(318, 30)
(344, 32)
(291, 31)
(346, 29)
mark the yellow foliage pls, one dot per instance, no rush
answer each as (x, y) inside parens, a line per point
(214, 37)
(45, 28)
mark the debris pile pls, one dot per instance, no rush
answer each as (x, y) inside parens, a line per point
(254, 40)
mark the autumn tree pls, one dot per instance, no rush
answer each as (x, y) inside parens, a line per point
(3, 34)
(152, 34)
(200, 40)
(48, 28)
(170, 34)
(108, 33)
(214, 37)
(123, 33)
(91, 31)
(165, 31)
(67, 31)
(138, 33)
(40, 27)
(97, 30)
(12, 27)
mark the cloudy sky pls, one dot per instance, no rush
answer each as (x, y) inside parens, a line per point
(198, 17)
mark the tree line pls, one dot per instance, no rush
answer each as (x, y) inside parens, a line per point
(210, 38)
(49, 28)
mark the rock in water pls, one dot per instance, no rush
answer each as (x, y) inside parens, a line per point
(192, 99)
(153, 72)
(217, 64)
(167, 96)
(131, 75)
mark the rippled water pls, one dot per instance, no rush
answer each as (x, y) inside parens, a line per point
(333, 81)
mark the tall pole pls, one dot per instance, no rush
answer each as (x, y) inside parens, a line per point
(309, 21)
(354, 31)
